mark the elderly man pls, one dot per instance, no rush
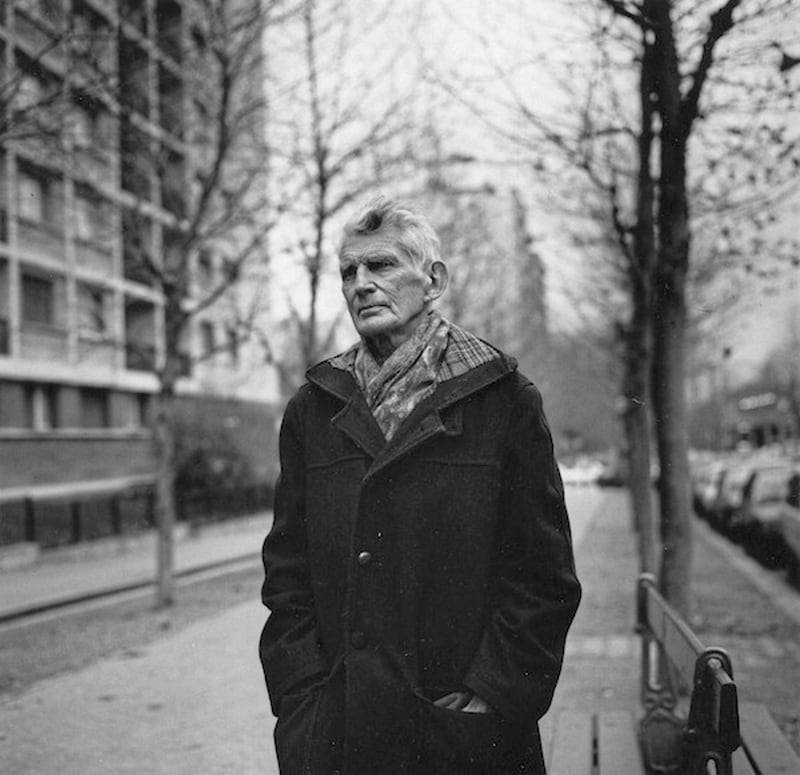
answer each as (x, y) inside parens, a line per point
(419, 570)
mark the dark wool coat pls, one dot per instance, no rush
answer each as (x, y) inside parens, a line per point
(398, 571)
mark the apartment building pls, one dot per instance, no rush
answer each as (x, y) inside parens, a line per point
(81, 326)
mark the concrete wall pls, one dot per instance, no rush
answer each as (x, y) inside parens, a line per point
(54, 458)
(66, 456)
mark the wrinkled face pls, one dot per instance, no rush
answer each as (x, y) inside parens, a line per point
(384, 289)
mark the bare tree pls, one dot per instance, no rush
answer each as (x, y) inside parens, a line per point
(36, 107)
(694, 97)
(340, 129)
(686, 45)
(197, 213)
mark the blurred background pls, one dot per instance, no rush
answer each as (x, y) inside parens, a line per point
(616, 194)
(174, 176)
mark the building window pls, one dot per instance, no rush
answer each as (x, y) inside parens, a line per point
(140, 337)
(207, 338)
(133, 410)
(94, 408)
(38, 300)
(142, 410)
(39, 197)
(81, 128)
(233, 347)
(92, 217)
(89, 124)
(137, 248)
(84, 222)
(92, 310)
(41, 407)
(31, 197)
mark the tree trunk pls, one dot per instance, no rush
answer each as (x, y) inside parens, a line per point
(165, 443)
(638, 338)
(637, 433)
(673, 444)
(669, 323)
(164, 437)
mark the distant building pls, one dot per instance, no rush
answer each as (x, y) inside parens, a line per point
(760, 419)
(81, 330)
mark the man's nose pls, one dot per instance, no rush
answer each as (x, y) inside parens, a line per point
(364, 279)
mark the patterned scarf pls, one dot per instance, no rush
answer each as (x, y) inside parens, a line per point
(437, 351)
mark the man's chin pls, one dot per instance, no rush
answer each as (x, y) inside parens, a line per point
(374, 326)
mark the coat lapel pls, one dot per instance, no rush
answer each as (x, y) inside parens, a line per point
(356, 421)
(428, 419)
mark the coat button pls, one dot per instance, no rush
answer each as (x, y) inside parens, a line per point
(358, 639)
(364, 558)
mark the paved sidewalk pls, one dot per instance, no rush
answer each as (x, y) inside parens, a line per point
(191, 703)
(83, 569)
(601, 666)
(195, 701)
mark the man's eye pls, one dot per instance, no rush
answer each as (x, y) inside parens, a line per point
(348, 273)
(377, 264)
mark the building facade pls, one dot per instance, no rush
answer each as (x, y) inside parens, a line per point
(101, 86)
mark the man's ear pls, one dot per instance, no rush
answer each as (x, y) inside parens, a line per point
(437, 275)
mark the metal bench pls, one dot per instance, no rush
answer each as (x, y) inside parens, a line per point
(711, 733)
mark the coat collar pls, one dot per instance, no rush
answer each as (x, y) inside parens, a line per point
(424, 422)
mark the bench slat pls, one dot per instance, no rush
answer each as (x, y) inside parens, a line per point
(617, 744)
(764, 741)
(572, 744)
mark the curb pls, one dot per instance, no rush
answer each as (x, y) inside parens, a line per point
(767, 582)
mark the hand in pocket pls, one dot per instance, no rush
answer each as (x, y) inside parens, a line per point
(466, 702)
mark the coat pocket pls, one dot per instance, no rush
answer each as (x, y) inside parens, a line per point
(294, 731)
(472, 743)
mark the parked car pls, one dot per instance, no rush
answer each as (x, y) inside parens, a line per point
(728, 497)
(614, 474)
(706, 479)
(790, 525)
(583, 471)
(757, 521)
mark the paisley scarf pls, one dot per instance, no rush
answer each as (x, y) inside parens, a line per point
(437, 351)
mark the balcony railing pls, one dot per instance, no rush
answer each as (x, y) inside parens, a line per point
(40, 239)
(42, 342)
(93, 165)
(96, 352)
(94, 255)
